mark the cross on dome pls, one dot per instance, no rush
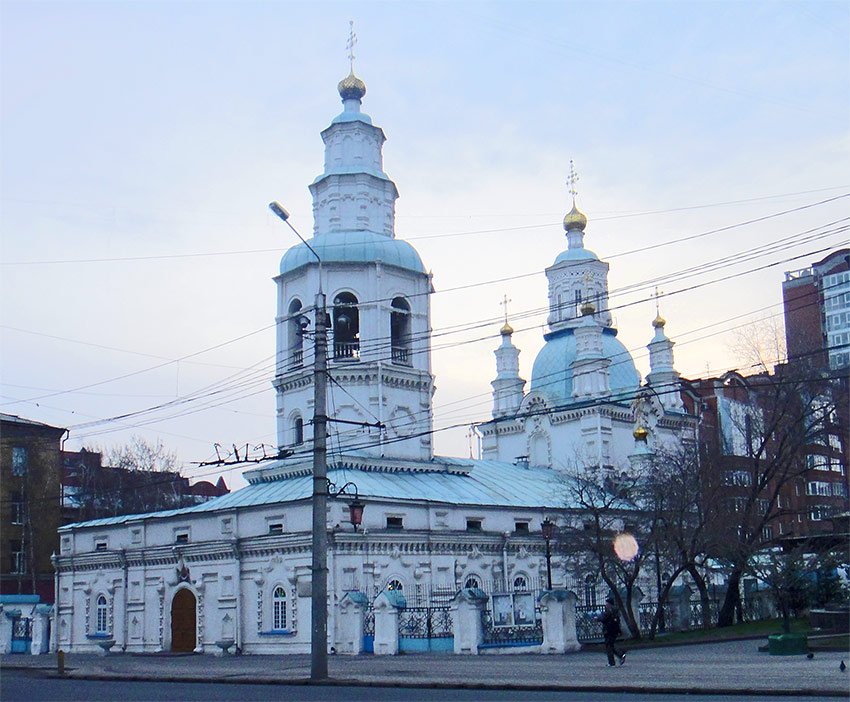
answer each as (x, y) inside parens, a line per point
(572, 179)
(351, 87)
(352, 40)
(659, 321)
(507, 329)
(574, 219)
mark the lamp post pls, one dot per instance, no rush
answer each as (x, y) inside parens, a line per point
(548, 528)
(319, 585)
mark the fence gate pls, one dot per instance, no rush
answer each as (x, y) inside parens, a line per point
(21, 635)
(425, 629)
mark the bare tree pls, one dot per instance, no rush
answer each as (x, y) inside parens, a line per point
(603, 508)
(778, 418)
(760, 344)
(137, 477)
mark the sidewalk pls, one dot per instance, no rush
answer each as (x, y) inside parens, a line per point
(734, 667)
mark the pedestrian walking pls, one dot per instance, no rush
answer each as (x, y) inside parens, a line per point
(611, 630)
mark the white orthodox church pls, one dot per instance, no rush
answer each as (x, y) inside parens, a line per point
(238, 568)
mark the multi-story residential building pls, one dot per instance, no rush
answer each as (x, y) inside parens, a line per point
(30, 513)
(817, 312)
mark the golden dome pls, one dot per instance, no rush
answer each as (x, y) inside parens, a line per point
(659, 322)
(575, 220)
(351, 87)
(640, 433)
(587, 309)
(506, 330)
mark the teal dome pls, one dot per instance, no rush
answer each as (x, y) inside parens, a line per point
(581, 254)
(553, 376)
(354, 247)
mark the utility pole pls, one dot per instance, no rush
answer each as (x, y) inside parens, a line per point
(319, 593)
(319, 584)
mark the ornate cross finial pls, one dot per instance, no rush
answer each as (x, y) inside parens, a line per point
(572, 179)
(657, 295)
(504, 303)
(352, 40)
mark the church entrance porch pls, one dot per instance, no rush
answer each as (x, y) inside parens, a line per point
(183, 622)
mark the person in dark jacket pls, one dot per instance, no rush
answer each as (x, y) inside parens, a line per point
(611, 630)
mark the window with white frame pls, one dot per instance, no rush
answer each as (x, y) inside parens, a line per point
(520, 583)
(839, 490)
(19, 556)
(737, 477)
(472, 582)
(396, 585)
(819, 512)
(279, 609)
(18, 509)
(100, 615)
(19, 460)
(817, 461)
(817, 487)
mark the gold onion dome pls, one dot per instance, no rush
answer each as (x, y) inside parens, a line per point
(506, 330)
(659, 322)
(575, 220)
(351, 87)
(640, 433)
(587, 309)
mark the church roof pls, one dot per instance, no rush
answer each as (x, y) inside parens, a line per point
(456, 481)
(552, 373)
(353, 247)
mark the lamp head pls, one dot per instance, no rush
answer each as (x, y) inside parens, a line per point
(279, 210)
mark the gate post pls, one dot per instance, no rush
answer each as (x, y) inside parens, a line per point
(7, 624)
(349, 623)
(558, 617)
(387, 605)
(465, 609)
(41, 629)
(680, 606)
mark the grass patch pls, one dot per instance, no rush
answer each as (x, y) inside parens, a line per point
(764, 627)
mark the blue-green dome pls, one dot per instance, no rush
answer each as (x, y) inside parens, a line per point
(553, 376)
(581, 254)
(354, 247)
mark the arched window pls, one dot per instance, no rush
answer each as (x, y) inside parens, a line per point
(297, 430)
(395, 585)
(346, 327)
(296, 334)
(279, 608)
(100, 610)
(472, 582)
(400, 331)
(520, 584)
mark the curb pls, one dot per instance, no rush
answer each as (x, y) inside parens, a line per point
(348, 682)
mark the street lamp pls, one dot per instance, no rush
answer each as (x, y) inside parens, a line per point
(355, 507)
(548, 529)
(319, 584)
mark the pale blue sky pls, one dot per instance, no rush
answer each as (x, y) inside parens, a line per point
(162, 129)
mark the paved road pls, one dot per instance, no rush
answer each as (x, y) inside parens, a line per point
(21, 686)
(726, 668)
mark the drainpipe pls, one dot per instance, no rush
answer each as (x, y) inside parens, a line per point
(381, 405)
(125, 616)
(238, 596)
(505, 561)
(331, 595)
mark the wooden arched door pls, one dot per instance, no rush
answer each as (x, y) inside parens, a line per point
(183, 622)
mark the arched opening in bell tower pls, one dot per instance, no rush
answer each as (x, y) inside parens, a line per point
(295, 334)
(400, 331)
(346, 327)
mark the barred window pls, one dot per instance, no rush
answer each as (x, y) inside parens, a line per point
(279, 608)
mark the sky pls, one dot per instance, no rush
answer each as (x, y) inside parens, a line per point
(140, 143)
